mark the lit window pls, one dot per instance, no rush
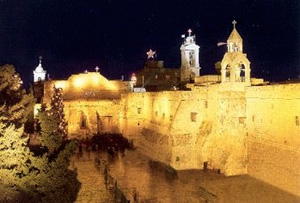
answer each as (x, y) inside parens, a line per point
(193, 116)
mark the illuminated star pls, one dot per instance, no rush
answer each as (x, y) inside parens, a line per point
(151, 54)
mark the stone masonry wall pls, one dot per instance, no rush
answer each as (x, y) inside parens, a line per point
(184, 129)
(274, 135)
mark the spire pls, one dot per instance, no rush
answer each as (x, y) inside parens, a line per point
(40, 60)
(235, 41)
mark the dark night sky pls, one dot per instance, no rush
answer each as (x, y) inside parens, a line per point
(73, 36)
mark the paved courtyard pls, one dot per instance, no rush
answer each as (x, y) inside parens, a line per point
(138, 181)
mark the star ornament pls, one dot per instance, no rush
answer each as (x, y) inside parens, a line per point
(151, 54)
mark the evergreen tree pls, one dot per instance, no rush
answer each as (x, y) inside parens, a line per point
(24, 176)
(14, 151)
(53, 180)
(57, 108)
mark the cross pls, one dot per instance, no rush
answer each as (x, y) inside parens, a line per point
(40, 57)
(97, 68)
(150, 54)
(190, 32)
(234, 23)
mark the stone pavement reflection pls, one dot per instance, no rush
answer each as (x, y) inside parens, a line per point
(134, 176)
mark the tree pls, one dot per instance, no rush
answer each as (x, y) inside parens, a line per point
(57, 108)
(53, 180)
(42, 176)
(14, 151)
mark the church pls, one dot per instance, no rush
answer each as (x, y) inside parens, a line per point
(230, 122)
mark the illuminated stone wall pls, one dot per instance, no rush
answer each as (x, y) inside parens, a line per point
(184, 129)
(234, 128)
(274, 135)
(91, 103)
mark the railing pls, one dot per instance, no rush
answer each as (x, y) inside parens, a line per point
(110, 181)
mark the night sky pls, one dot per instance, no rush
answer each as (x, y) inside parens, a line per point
(73, 36)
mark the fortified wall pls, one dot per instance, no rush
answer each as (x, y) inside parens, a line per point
(187, 128)
(239, 130)
(232, 127)
(273, 123)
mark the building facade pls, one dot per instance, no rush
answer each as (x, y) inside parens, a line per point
(232, 123)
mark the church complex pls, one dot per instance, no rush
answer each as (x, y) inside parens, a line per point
(229, 122)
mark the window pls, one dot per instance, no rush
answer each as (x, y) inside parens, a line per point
(83, 123)
(205, 104)
(156, 113)
(139, 110)
(242, 120)
(171, 117)
(193, 116)
(297, 121)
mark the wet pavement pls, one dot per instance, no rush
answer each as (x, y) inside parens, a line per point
(137, 180)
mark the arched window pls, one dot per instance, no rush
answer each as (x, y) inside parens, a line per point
(227, 69)
(242, 73)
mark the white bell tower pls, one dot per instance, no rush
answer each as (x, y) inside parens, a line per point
(190, 67)
(39, 74)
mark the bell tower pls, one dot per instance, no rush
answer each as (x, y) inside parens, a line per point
(235, 66)
(39, 74)
(190, 67)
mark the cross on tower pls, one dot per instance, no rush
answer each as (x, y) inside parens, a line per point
(40, 59)
(190, 32)
(234, 23)
(97, 69)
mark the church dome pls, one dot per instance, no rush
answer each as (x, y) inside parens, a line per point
(39, 68)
